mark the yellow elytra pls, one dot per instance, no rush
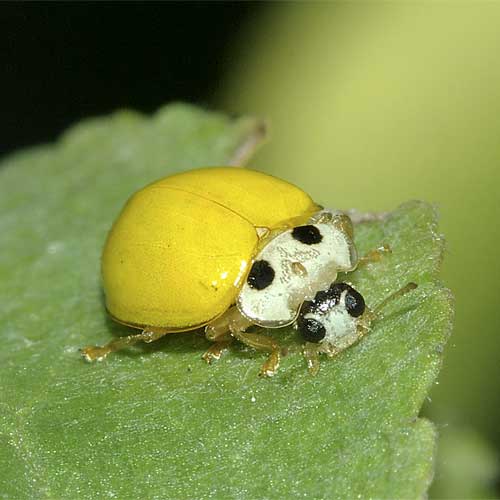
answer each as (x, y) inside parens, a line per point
(181, 248)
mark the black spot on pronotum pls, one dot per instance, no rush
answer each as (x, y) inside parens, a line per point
(311, 330)
(261, 275)
(309, 235)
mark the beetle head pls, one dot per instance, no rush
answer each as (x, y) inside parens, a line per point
(332, 317)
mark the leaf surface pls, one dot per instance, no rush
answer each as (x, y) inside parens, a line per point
(155, 421)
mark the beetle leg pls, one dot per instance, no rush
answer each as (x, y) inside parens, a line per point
(238, 324)
(311, 355)
(262, 343)
(93, 353)
(220, 326)
(218, 331)
(220, 343)
(364, 324)
(234, 324)
(375, 255)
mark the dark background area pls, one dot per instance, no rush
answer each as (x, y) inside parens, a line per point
(63, 62)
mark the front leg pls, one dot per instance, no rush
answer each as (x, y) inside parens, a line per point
(311, 352)
(233, 325)
(262, 343)
(311, 355)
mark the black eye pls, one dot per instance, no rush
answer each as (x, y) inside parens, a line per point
(354, 303)
(261, 275)
(309, 235)
(311, 330)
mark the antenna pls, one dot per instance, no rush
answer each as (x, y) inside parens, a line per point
(407, 288)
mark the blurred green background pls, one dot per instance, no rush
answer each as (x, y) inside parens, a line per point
(399, 101)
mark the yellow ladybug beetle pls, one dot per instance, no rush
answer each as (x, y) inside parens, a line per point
(222, 248)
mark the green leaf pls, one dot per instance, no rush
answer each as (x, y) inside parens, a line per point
(155, 421)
